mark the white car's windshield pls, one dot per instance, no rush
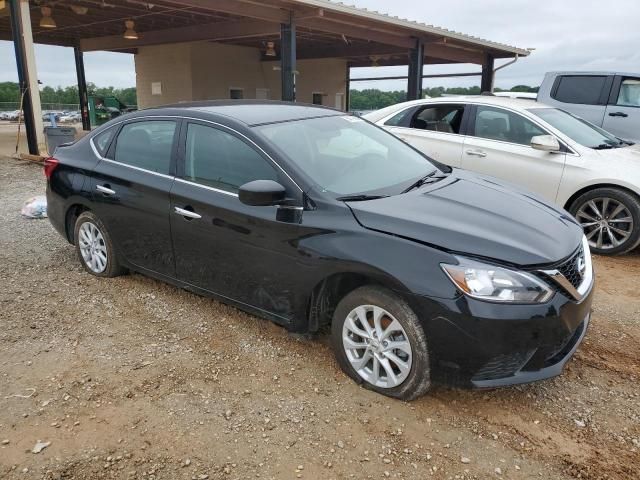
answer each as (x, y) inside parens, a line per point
(577, 129)
(346, 155)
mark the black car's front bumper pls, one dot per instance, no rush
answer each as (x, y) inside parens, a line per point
(486, 345)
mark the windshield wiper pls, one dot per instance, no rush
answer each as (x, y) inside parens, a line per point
(430, 178)
(603, 146)
(360, 198)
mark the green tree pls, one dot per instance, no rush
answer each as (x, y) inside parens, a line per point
(374, 99)
(9, 92)
(525, 88)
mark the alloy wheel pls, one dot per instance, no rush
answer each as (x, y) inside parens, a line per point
(607, 222)
(92, 247)
(377, 346)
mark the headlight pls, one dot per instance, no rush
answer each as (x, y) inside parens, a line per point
(496, 284)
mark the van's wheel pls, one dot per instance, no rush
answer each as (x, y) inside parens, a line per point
(94, 247)
(379, 342)
(610, 218)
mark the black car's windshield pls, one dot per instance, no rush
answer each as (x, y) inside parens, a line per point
(346, 155)
(577, 129)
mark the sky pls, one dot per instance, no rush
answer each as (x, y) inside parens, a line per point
(566, 35)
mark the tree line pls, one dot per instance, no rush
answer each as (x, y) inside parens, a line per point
(373, 99)
(368, 99)
(10, 92)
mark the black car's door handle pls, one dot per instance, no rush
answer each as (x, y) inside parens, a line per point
(188, 214)
(105, 189)
(618, 114)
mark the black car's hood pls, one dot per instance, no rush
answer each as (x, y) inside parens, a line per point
(476, 215)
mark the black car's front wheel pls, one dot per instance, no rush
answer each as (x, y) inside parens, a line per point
(379, 342)
(610, 218)
(94, 247)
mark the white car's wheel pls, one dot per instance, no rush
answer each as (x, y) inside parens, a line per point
(610, 218)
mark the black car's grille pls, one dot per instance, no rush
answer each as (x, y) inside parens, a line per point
(571, 268)
(546, 355)
(551, 354)
(502, 366)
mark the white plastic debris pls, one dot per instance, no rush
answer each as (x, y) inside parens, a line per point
(39, 446)
(35, 207)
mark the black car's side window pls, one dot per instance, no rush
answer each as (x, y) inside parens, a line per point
(146, 145)
(221, 160)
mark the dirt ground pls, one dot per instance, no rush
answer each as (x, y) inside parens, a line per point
(131, 378)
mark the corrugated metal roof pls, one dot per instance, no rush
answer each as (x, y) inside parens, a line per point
(410, 24)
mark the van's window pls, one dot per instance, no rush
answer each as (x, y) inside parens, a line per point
(146, 145)
(439, 118)
(504, 125)
(585, 89)
(629, 95)
(103, 140)
(221, 160)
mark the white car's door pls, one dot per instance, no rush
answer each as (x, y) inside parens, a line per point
(499, 144)
(434, 129)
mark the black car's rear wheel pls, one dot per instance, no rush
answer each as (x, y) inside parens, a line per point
(379, 342)
(94, 247)
(610, 218)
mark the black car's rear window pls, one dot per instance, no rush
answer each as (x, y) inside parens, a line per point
(103, 140)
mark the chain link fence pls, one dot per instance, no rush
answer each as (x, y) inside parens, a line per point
(58, 107)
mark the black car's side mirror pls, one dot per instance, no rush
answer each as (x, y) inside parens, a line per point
(262, 193)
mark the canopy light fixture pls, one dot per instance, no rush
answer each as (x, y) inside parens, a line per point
(270, 51)
(130, 33)
(47, 20)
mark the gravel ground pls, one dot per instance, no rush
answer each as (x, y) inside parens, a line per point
(131, 378)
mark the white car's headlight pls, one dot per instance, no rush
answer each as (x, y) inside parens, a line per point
(497, 284)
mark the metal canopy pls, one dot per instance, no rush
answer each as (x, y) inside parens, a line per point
(291, 29)
(323, 29)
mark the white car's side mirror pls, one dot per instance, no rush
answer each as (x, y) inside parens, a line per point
(546, 143)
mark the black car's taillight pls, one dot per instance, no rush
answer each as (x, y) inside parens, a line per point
(50, 165)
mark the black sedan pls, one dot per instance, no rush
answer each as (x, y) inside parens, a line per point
(319, 220)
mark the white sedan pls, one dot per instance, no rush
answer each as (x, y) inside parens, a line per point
(566, 160)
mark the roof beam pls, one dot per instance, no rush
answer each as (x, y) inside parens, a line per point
(351, 51)
(432, 50)
(238, 7)
(6, 35)
(448, 52)
(315, 19)
(324, 25)
(209, 32)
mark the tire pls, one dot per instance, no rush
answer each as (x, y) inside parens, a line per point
(412, 382)
(107, 264)
(610, 199)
